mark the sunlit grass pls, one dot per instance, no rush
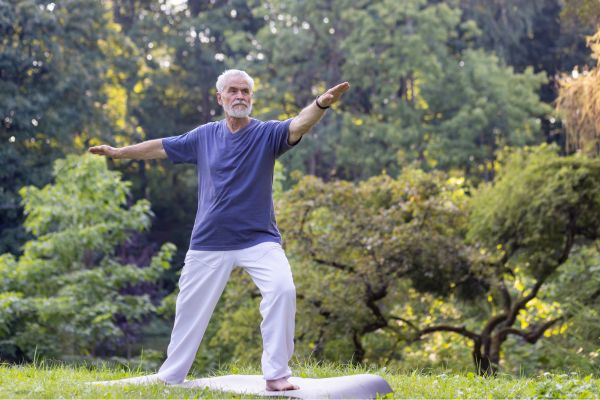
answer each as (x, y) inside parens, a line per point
(53, 380)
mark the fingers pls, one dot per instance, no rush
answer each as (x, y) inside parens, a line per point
(96, 150)
(102, 150)
(339, 89)
(333, 94)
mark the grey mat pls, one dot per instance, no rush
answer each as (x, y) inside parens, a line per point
(364, 386)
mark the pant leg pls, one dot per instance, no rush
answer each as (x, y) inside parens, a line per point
(201, 284)
(270, 270)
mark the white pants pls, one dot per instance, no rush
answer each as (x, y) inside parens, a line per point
(201, 284)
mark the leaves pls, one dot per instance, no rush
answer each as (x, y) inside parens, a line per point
(538, 204)
(68, 280)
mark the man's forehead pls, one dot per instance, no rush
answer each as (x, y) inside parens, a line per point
(237, 82)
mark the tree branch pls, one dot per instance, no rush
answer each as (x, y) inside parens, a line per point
(333, 264)
(371, 301)
(407, 322)
(522, 303)
(492, 323)
(533, 334)
(461, 330)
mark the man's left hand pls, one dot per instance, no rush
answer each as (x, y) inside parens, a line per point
(333, 94)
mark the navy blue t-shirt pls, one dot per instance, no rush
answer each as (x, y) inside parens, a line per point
(235, 181)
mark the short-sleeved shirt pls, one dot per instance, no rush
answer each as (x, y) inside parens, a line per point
(235, 181)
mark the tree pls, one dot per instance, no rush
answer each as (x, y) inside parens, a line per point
(357, 248)
(50, 70)
(581, 13)
(575, 292)
(68, 294)
(384, 263)
(352, 248)
(579, 102)
(297, 55)
(428, 101)
(521, 32)
(415, 94)
(529, 220)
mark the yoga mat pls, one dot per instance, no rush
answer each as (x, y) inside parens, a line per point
(365, 386)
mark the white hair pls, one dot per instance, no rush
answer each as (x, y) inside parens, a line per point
(233, 72)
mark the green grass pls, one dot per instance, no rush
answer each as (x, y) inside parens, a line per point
(62, 381)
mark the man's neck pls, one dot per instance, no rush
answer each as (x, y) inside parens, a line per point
(235, 124)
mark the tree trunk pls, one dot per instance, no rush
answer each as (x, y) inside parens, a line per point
(359, 351)
(488, 360)
(484, 364)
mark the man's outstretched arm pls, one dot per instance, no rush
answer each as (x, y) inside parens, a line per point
(312, 113)
(147, 150)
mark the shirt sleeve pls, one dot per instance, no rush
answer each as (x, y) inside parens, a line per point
(279, 136)
(183, 148)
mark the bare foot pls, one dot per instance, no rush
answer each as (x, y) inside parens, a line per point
(277, 385)
(162, 382)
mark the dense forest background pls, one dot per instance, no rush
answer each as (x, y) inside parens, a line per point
(445, 214)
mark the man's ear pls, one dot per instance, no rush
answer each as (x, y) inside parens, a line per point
(219, 100)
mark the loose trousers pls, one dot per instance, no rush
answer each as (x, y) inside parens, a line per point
(202, 281)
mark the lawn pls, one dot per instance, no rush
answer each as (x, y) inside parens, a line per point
(62, 381)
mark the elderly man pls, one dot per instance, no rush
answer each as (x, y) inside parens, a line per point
(235, 221)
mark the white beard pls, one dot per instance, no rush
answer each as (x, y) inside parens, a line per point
(236, 112)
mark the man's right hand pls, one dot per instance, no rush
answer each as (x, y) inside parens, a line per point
(105, 150)
(148, 150)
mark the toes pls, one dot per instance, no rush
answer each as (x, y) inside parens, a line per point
(282, 388)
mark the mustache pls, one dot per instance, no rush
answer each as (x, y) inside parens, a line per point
(237, 103)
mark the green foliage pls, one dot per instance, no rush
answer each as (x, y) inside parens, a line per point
(68, 293)
(491, 107)
(357, 245)
(585, 13)
(517, 30)
(430, 84)
(51, 69)
(579, 18)
(528, 222)
(577, 290)
(538, 205)
(378, 262)
(356, 250)
(415, 94)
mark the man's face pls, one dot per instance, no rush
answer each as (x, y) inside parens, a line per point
(236, 97)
